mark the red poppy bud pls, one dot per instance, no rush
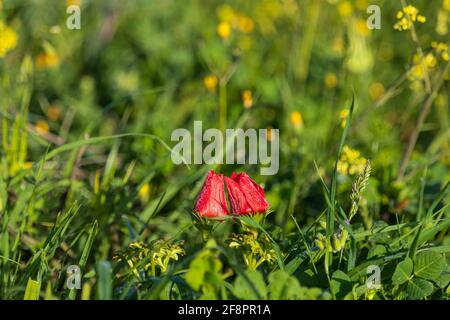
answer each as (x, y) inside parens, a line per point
(211, 199)
(248, 190)
(239, 204)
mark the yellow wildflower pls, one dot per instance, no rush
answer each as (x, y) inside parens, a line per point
(245, 24)
(8, 39)
(47, 60)
(41, 126)
(407, 16)
(345, 8)
(226, 13)
(296, 119)
(53, 112)
(73, 3)
(343, 115)
(362, 4)
(269, 135)
(27, 165)
(441, 49)
(446, 5)
(331, 80)
(361, 27)
(350, 162)
(224, 30)
(210, 82)
(247, 99)
(376, 90)
(144, 193)
(337, 46)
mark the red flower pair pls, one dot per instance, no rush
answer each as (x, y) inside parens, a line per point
(244, 194)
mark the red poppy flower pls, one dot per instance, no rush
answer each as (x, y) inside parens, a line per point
(211, 199)
(245, 195)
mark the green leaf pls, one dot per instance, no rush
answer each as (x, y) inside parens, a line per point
(429, 265)
(376, 251)
(283, 286)
(419, 288)
(403, 271)
(444, 278)
(242, 288)
(104, 286)
(85, 254)
(341, 284)
(32, 290)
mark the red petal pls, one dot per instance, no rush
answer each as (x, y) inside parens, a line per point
(211, 199)
(238, 202)
(254, 194)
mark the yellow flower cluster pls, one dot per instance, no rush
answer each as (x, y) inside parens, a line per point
(406, 18)
(8, 39)
(255, 250)
(350, 161)
(231, 19)
(441, 50)
(158, 254)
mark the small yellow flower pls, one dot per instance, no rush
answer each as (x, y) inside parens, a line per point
(407, 16)
(441, 49)
(245, 24)
(345, 8)
(8, 39)
(226, 13)
(224, 30)
(330, 80)
(350, 162)
(430, 60)
(41, 126)
(362, 4)
(47, 60)
(361, 27)
(269, 136)
(446, 5)
(144, 193)
(73, 3)
(247, 98)
(421, 19)
(296, 119)
(376, 91)
(53, 112)
(210, 82)
(343, 115)
(337, 46)
(27, 165)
